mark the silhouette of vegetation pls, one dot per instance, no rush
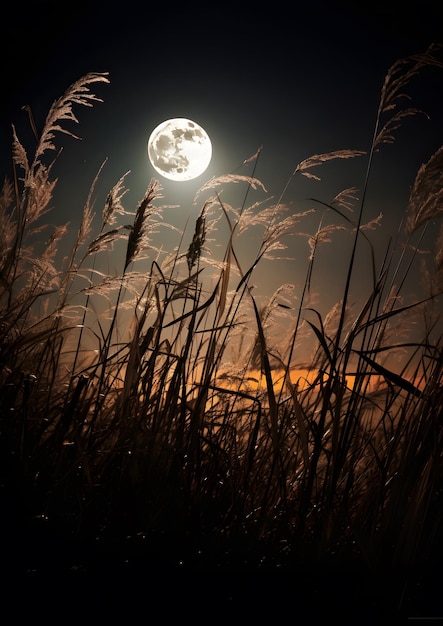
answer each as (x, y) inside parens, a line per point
(155, 418)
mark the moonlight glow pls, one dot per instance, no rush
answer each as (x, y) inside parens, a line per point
(179, 149)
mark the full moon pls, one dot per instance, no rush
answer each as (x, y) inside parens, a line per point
(179, 149)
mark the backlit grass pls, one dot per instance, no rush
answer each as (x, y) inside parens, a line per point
(168, 414)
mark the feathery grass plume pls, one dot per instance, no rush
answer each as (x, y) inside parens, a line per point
(105, 241)
(130, 281)
(396, 80)
(19, 155)
(62, 110)
(217, 181)
(33, 201)
(372, 224)
(87, 217)
(38, 187)
(318, 159)
(44, 276)
(113, 204)
(345, 199)
(198, 240)
(252, 159)
(138, 233)
(426, 196)
(271, 240)
(276, 229)
(323, 235)
(250, 216)
(53, 240)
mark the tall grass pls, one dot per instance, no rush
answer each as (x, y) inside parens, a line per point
(155, 413)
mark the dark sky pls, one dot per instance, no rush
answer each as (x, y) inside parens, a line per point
(296, 80)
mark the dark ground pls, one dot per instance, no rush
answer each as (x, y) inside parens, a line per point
(48, 577)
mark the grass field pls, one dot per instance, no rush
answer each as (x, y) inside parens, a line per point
(159, 420)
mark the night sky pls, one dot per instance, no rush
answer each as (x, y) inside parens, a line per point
(295, 82)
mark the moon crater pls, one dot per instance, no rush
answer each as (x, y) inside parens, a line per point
(179, 149)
